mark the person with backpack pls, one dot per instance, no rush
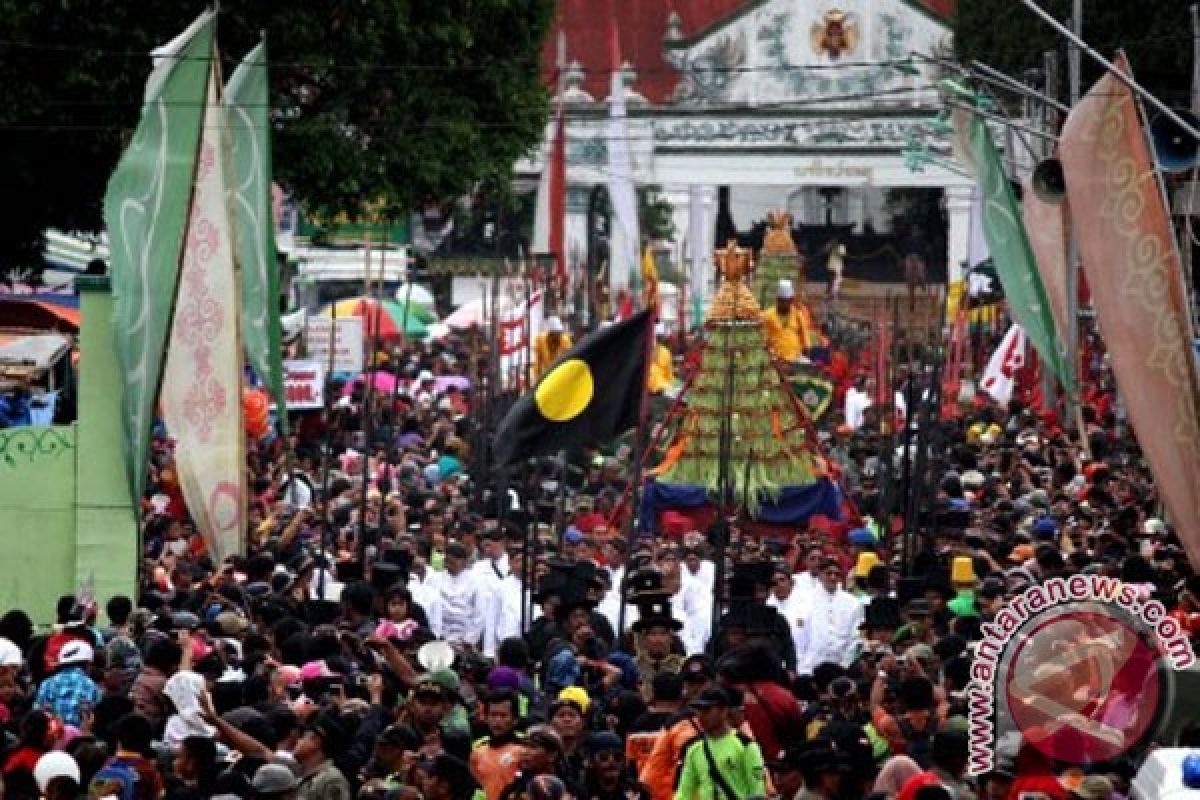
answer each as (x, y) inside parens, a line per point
(722, 763)
(910, 731)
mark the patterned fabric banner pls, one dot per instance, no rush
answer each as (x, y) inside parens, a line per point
(145, 212)
(202, 395)
(247, 104)
(1133, 269)
(1008, 242)
(1047, 226)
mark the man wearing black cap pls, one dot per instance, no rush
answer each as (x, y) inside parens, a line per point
(448, 778)
(322, 740)
(606, 777)
(822, 768)
(721, 764)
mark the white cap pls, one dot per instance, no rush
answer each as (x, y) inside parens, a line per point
(425, 375)
(76, 652)
(1153, 526)
(55, 764)
(554, 325)
(660, 329)
(10, 654)
(785, 290)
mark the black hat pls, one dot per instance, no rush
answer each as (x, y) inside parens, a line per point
(656, 613)
(385, 574)
(553, 585)
(936, 582)
(820, 756)
(605, 742)
(401, 736)
(401, 558)
(453, 771)
(646, 585)
(712, 697)
(696, 668)
(331, 730)
(322, 612)
(882, 613)
(917, 607)
(573, 599)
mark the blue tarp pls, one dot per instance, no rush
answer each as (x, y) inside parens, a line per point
(793, 505)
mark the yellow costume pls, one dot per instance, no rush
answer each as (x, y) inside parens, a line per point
(788, 336)
(662, 370)
(546, 348)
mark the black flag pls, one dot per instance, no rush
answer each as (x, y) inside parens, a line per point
(591, 393)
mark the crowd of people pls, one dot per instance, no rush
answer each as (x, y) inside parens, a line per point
(402, 626)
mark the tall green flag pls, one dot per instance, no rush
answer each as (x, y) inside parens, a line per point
(1009, 243)
(146, 213)
(247, 110)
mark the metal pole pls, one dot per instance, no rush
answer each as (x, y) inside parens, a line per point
(368, 422)
(1195, 11)
(1071, 400)
(1134, 86)
(327, 450)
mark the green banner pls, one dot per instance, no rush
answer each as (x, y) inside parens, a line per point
(146, 212)
(814, 393)
(1008, 242)
(247, 111)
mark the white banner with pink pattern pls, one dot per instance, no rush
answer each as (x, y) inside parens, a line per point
(201, 391)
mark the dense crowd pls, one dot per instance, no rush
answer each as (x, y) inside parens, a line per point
(377, 640)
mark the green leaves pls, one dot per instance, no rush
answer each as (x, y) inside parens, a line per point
(387, 102)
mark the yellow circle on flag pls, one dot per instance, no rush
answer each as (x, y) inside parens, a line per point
(566, 391)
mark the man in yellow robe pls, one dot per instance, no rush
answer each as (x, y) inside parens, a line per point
(548, 346)
(661, 374)
(790, 327)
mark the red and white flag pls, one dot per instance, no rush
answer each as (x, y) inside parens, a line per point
(1001, 374)
(202, 381)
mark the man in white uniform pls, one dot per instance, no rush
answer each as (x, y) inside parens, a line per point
(463, 601)
(492, 571)
(691, 604)
(809, 580)
(829, 630)
(858, 400)
(787, 600)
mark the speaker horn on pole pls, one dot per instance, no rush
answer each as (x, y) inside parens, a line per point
(1175, 149)
(1048, 181)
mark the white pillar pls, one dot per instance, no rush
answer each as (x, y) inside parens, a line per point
(958, 212)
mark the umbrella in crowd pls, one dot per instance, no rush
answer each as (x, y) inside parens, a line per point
(388, 315)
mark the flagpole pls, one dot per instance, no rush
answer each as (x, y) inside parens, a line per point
(408, 277)
(327, 448)
(368, 415)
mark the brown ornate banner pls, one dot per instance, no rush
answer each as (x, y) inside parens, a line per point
(1134, 273)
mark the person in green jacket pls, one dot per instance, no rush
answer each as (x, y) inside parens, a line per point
(720, 764)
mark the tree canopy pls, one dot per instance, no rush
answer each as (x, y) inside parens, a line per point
(391, 103)
(1155, 34)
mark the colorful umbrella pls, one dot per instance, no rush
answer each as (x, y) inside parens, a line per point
(389, 316)
(383, 382)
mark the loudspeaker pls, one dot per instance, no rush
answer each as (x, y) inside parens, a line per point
(1048, 181)
(1175, 149)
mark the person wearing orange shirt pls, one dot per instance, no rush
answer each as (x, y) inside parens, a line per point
(661, 375)
(496, 758)
(789, 326)
(548, 346)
